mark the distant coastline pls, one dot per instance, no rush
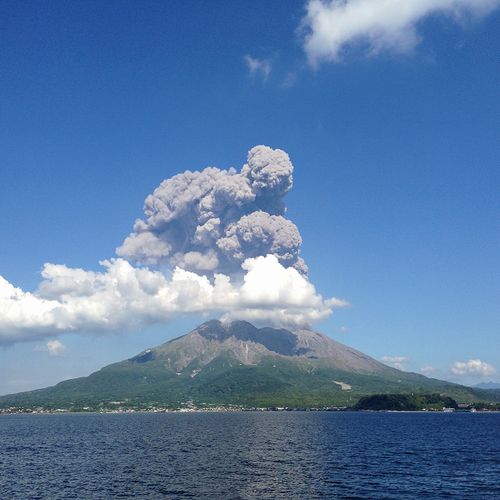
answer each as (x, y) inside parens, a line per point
(364, 405)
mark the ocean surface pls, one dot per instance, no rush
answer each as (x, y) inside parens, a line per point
(303, 455)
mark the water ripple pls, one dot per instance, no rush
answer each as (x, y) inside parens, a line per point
(250, 456)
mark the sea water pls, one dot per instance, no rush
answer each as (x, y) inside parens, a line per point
(262, 455)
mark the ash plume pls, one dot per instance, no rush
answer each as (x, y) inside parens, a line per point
(231, 250)
(214, 219)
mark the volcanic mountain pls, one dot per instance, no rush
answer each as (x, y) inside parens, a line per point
(239, 364)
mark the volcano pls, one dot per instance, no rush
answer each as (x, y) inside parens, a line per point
(238, 364)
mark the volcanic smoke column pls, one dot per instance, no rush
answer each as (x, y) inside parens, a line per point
(211, 221)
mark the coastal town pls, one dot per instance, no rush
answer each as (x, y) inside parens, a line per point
(120, 407)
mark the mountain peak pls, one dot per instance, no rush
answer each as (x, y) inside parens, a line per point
(248, 345)
(219, 330)
(279, 341)
(236, 363)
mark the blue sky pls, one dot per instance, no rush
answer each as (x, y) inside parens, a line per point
(396, 156)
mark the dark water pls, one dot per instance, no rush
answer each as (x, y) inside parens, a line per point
(250, 455)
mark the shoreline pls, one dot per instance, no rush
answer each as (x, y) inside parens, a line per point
(229, 410)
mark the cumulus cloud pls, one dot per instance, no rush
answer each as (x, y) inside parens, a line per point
(427, 370)
(472, 367)
(395, 361)
(212, 242)
(124, 297)
(258, 67)
(54, 348)
(332, 26)
(215, 219)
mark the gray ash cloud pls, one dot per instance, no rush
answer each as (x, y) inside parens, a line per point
(212, 220)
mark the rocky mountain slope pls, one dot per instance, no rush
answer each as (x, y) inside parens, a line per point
(239, 364)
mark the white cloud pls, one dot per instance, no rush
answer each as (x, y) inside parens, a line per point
(472, 367)
(258, 67)
(55, 348)
(126, 297)
(395, 361)
(224, 234)
(332, 26)
(427, 370)
(52, 347)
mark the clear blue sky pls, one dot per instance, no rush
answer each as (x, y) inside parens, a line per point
(396, 184)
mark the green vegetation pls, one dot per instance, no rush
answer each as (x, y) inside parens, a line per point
(405, 402)
(239, 365)
(274, 382)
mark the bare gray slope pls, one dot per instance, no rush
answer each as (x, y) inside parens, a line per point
(342, 357)
(248, 344)
(237, 363)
